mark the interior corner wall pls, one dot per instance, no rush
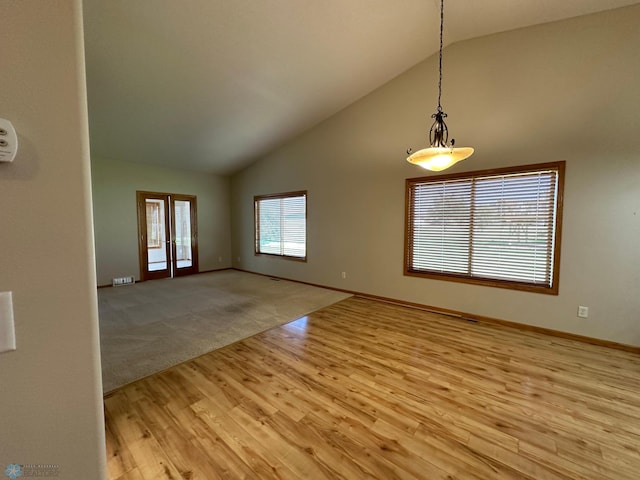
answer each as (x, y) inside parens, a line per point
(51, 409)
(115, 216)
(561, 91)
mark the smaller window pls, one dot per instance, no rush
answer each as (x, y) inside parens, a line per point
(281, 225)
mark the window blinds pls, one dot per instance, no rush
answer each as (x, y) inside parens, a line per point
(499, 227)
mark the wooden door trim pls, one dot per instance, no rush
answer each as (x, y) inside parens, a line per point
(170, 198)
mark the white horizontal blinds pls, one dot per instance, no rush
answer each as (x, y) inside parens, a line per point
(513, 234)
(294, 226)
(441, 226)
(282, 226)
(270, 226)
(498, 227)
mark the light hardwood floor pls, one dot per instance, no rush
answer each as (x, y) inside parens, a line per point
(367, 390)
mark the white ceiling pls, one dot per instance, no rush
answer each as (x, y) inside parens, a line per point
(213, 85)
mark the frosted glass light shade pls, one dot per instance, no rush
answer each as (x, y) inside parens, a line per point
(439, 158)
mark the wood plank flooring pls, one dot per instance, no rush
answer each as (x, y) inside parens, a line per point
(367, 390)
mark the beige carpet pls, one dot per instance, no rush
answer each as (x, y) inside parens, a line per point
(150, 326)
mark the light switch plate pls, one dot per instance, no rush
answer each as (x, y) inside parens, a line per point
(7, 328)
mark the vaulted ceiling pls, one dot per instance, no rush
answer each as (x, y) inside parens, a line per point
(213, 85)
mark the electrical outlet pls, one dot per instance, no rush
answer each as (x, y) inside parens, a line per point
(583, 312)
(344, 275)
(220, 259)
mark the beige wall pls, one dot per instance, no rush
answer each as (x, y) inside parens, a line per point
(51, 393)
(114, 206)
(562, 91)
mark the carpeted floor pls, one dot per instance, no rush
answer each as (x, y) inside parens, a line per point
(150, 326)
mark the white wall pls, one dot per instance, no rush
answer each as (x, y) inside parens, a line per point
(114, 205)
(561, 91)
(51, 394)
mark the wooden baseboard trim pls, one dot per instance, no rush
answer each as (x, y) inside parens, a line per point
(508, 323)
(215, 270)
(197, 273)
(472, 317)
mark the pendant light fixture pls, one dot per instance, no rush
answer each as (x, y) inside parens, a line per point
(440, 154)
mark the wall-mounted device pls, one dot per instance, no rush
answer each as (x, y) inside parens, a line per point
(8, 141)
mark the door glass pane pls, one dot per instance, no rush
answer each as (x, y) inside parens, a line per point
(156, 241)
(183, 233)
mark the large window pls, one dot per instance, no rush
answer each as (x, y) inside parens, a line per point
(494, 227)
(281, 224)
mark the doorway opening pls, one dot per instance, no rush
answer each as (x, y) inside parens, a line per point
(167, 235)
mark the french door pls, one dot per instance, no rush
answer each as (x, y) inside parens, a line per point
(167, 235)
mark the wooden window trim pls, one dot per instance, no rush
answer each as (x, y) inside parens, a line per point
(256, 223)
(509, 284)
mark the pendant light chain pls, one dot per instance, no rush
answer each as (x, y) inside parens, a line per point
(441, 154)
(440, 61)
(439, 133)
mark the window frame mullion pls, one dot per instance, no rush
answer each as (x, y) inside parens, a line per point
(472, 227)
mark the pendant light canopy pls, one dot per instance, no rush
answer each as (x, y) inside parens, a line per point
(440, 154)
